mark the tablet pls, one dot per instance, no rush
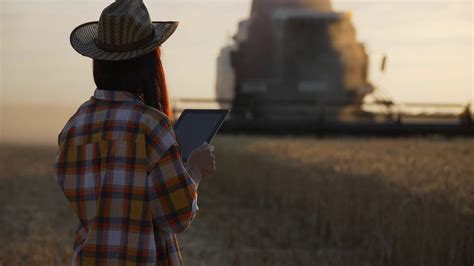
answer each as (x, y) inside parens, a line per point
(197, 126)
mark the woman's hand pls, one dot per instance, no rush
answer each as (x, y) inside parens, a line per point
(203, 160)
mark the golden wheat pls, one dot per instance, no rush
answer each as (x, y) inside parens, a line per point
(281, 201)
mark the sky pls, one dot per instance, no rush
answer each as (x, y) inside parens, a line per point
(429, 45)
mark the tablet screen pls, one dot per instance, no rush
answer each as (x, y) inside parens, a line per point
(197, 126)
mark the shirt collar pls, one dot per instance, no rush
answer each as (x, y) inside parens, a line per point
(118, 96)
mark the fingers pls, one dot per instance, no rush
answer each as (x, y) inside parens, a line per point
(209, 151)
(209, 171)
(210, 168)
(206, 145)
(205, 159)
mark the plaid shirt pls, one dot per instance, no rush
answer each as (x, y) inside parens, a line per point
(120, 168)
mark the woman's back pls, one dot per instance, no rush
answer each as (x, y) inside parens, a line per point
(119, 166)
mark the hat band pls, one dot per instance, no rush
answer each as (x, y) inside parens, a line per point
(125, 47)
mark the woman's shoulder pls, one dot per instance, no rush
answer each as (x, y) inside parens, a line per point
(153, 117)
(73, 120)
(159, 134)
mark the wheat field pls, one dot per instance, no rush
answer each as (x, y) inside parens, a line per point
(281, 201)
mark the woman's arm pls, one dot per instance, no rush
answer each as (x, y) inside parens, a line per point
(172, 186)
(173, 193)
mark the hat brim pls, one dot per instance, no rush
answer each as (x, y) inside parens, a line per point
(83, 41)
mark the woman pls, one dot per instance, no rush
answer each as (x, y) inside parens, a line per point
(119, 164)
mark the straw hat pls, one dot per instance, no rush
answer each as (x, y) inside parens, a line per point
(124, 31)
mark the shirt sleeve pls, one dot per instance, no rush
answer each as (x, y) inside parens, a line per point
(171, 189)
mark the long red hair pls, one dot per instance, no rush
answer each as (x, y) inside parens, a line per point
(143, 76)
(162, 87)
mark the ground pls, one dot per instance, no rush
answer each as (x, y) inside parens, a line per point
(281, 201)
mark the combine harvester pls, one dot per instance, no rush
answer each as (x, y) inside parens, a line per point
(296, 66)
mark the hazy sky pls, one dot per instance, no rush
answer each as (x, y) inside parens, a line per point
(429, 46)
